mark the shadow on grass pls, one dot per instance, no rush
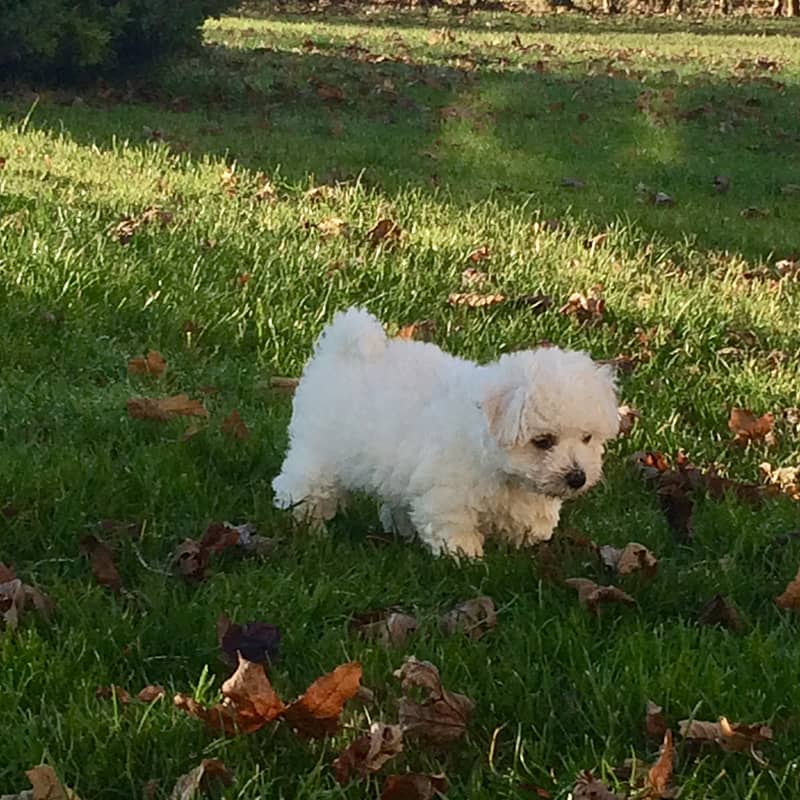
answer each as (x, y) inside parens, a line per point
(596, 141)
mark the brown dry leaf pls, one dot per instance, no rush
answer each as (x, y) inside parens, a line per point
(331, 227)
(229, 179)
(654, 724)
(790, 597)
(152, 364)
(586, 308)
(481, 253)
(249, 702)
(191, 560)
(594, 242)
(587, 787)
(752, 212)
(390, 627)
(234, 426)
(573, 183)
(316, 713)
(113, 691)
(736, 737)
(720, 611)
(327, 91)
(17, 597)
(591, 594)
(628, 417)
(46, 785)
(660, 774)
(472, 276)
(747, 427)
(370, 752)
(3, 161)
(201, 780)
(413, 786)
(127, 227)
(150, 694)
(475, 299)
(785, 479)
(282, 384)
(422, 331)
(443, 716)
(165, 408)
(266, 192)
(473, 617)
(101, 557)
(384, 231)
(631, 558)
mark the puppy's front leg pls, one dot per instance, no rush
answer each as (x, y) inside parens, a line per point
(527, 518)
(447, 525)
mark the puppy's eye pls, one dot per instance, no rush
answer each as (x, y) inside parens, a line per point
(587, 438)
(544, 442)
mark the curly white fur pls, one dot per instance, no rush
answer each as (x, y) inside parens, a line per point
(455, 451)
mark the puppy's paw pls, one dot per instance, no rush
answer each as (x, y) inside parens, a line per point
(462, 545)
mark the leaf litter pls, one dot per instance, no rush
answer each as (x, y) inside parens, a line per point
(17, 597)
(368, 753)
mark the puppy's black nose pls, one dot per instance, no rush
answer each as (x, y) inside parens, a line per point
(575, 478)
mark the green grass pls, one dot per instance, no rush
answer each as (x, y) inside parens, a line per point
(556, 691)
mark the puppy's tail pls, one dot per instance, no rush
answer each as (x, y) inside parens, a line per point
(354, 333)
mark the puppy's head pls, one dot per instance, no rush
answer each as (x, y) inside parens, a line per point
(551, 412)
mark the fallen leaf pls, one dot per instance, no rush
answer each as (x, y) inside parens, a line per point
(736, 737)
(201, 780)
(443, 716)
(747, 427)
(663, 199)
(165, 408)
(721, 184)
(660, 774)
(266, 192)
(316, 713)
(587, 787)
(480, 254)
(573, 183)
(627, 419)
(229, 179)
(719, 611)
(46, 785)
(191, 560)
(474, 299)
(234, 426)
(586, 308)
(286, 385)
(249, 702)
(751, 212)
(591, 594)
(594, 242)
(127, 227)
(422, 331)
(332, 227)
(150, 694)
(473, 617)
(327, 91)
(369, 753)
(790, 597)
(390, 627)
(16, 597)
(472, 276)
(632, 558)
(152, 364)
(258, 642)
(101, 558)
(413, 786)
(117, 692)
(384, 230)
(654, 724)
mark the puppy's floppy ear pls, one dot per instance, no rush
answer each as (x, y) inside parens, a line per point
(504, 407)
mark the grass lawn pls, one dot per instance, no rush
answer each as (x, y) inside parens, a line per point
(461, 131)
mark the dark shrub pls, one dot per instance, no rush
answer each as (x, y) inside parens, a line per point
(68, 39)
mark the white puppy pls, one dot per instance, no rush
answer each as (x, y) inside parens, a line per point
(455, 450)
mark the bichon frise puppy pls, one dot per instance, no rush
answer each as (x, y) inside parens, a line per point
(454, 450)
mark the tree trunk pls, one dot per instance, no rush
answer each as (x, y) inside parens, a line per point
(610, 6)
(792, 9)
(777, 8)
(725, 7)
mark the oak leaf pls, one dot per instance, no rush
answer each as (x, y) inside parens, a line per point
(443, 716)
(151, 364)
(591, 594)
(165, 408)
(370, 752)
